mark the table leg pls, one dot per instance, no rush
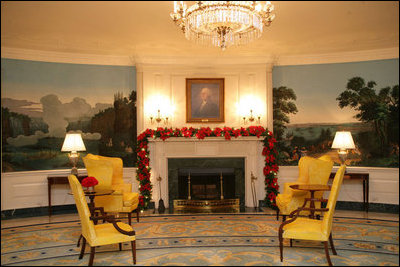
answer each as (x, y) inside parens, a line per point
(49, 195)
(367, 189)
(312, 205)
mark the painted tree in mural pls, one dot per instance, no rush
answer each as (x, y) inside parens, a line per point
(117, 126)
(283, 105)
(380, 109)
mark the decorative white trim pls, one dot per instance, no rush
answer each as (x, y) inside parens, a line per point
(61, 57)
(343, 57)
(199, 61)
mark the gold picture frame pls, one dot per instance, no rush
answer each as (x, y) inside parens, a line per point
(205, 100)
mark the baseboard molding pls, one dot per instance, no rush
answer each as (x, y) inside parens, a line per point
(372, 207)
(35, 212)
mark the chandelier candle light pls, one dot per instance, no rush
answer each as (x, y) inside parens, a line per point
(223, 23)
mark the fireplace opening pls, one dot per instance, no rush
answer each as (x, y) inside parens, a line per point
(206, 190)
(206, 184)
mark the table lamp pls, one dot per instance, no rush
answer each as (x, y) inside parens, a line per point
(73, 142)
(343, 141)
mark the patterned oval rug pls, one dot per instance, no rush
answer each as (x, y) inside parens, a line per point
(219, 239)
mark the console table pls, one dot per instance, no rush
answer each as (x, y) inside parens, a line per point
(58, 180)
(358, 176)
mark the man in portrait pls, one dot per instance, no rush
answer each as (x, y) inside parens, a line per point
(206, 107)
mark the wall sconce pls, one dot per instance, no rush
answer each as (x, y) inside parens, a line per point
(159, 118)
(343, 141)
(251, 118)
(73, 142)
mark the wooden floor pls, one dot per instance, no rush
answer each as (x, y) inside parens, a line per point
(74, 216)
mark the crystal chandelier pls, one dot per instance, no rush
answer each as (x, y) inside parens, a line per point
(223, 23)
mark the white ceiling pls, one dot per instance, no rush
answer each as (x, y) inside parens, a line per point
(144, 29)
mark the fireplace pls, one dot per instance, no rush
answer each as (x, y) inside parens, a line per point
(206, 183)
(243, 154)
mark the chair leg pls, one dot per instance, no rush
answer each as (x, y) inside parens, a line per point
(133, 243)
(82, 248)
(137, 214)
(92, 250)
(277, 214)
(120, 246)
(332, 246)
(327, 253)
(79, 241)
(291, 242)
(129, 218)
(281, 245)
(283, 218)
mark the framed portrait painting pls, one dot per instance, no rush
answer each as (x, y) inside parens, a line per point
(205, 100)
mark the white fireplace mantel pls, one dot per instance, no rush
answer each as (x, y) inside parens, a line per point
(249, 148)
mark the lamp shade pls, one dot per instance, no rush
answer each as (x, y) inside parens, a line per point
(343, 140)
(73, 142)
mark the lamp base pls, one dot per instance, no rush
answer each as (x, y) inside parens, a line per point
(74, 171)
(342, 157)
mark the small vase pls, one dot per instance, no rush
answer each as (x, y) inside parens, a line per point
(90, 188)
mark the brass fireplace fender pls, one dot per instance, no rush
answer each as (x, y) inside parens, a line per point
(206, 205)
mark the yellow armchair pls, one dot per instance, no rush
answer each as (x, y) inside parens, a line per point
(311, 171)
(309, 229)
(109, 172)
(113, 232)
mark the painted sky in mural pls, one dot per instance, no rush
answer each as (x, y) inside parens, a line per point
(317, 86)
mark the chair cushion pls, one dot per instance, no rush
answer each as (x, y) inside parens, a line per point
(130, 199)
(304, 228)
(107, 234)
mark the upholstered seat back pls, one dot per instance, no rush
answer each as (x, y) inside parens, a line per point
(88, 230)
(319, 170)
(328, 216)
(303, 169)
(117, 176)
(100, 169)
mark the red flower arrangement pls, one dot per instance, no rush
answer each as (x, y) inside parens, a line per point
(89, 181)
(270, 170)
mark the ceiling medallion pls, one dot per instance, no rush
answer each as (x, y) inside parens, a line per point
(223, 23)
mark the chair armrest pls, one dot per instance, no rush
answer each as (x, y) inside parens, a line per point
(122, 188)
(288, 190)
(111, 219)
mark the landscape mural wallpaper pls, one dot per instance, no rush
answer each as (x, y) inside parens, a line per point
(312, 102)
(42, 101)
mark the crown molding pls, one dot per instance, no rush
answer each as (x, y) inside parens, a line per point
(203, 61)
(199, 61)
(343, 57)
(61, 57)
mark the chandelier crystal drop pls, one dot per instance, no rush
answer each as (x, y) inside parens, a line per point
(223, 23)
